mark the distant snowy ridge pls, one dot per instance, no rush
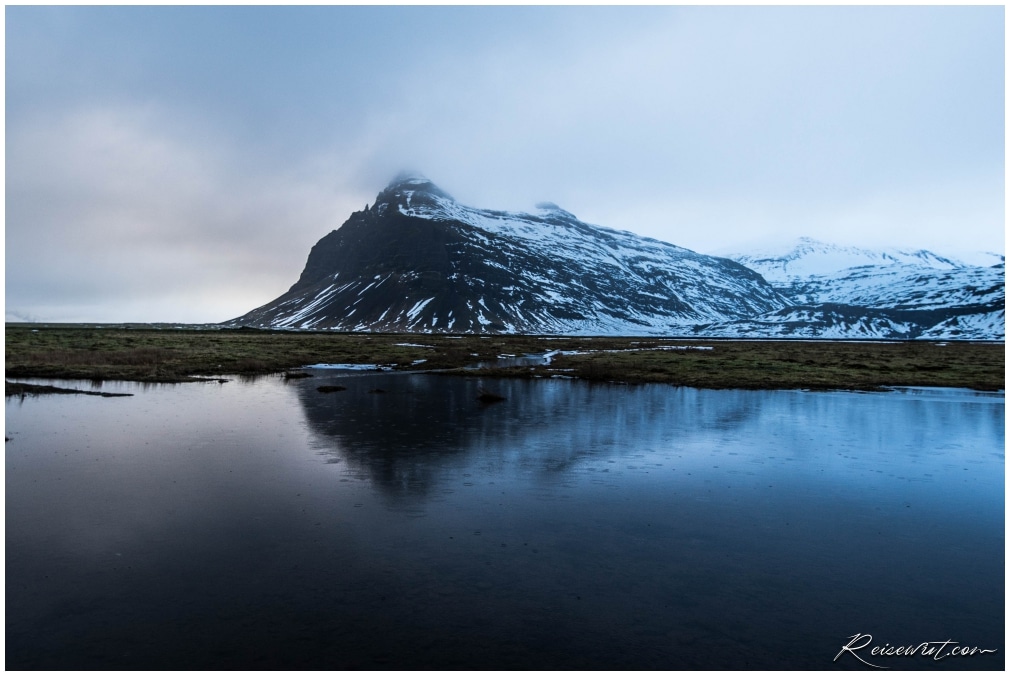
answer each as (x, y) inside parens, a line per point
(890, 293)
(808, 257)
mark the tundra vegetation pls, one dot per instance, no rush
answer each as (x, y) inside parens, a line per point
(152, 353)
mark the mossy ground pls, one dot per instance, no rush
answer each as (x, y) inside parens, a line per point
(143, 353)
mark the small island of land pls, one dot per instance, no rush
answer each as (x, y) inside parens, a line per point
(152, 353)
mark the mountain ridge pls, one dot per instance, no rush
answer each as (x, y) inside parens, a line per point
(416, 260)
(915, 294)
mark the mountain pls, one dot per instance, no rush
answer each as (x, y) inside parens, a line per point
(416, 260)
(839, 291)
(807, 257)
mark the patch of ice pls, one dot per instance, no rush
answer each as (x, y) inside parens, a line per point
(352, 367)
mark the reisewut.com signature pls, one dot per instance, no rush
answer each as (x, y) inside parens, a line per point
(860, 648)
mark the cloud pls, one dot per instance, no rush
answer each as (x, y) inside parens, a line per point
(732, 119)
(133, 208)
(187, 159)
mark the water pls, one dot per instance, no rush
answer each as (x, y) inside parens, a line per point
(262, 524)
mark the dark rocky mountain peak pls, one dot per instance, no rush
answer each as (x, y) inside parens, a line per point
(410, 185)
(417, 260)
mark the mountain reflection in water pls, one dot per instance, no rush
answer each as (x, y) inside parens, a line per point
(410, 438)
(401, 523)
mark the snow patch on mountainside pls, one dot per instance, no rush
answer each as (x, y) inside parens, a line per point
(979, 326)
(901, 286)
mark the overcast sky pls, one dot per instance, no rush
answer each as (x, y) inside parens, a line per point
(177, 164)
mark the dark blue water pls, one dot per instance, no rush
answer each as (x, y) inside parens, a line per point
(402, 524)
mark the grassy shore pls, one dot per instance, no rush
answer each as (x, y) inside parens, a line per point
(143, 353)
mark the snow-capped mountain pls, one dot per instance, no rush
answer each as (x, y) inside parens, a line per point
(887, 293)
(808, 257)
(416, 260)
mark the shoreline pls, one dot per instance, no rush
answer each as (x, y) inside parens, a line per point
(172, 355)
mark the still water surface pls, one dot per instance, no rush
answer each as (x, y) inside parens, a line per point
(262, 524)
